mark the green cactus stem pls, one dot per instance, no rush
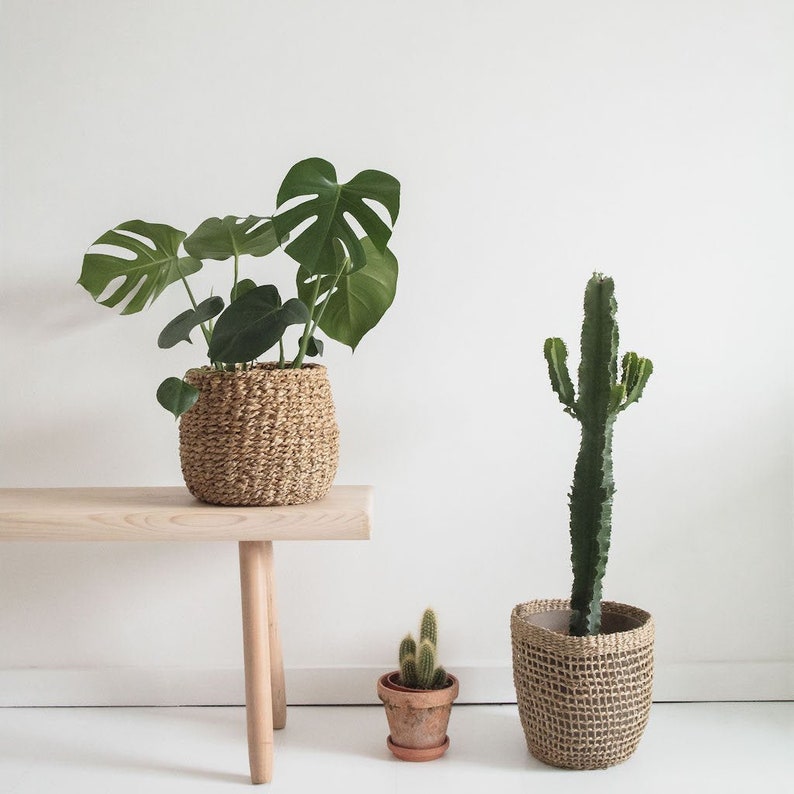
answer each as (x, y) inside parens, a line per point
(600, 399)
(419, 668)
(428, 629)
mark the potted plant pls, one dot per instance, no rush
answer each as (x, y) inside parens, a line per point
(418, 697)
(250, 432)
(583, 669)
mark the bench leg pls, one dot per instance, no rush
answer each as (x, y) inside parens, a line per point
(256, 647)
(277, 686)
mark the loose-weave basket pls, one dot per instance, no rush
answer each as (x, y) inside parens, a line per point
(263, 436)
(583, 701)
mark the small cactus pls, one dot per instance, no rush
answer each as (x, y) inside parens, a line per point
(419, 668)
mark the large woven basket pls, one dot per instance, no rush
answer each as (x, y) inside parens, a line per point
(583, 701)
(263, 436)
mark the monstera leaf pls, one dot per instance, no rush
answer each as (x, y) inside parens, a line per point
(177, 396)
(243, 286)
(252, 324)
(360, 299)
(153, 267)
(327, 202)
(221, 239)
(178, 330)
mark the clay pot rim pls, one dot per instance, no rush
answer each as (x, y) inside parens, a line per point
(428, 697)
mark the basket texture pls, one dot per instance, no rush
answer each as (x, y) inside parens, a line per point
(263, 436)
(583, 701)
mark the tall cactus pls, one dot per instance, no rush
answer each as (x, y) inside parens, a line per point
(601, 398)
(419, 668)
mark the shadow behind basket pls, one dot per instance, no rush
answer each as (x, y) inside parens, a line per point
(263, 436)
(583, 701)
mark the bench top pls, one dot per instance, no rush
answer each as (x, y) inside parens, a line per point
(171, 513)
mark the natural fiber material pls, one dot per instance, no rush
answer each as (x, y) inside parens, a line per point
(263, 436)
(583, 701)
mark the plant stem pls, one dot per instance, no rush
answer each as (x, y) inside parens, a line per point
(311, 326)
(236, 273)
(322, 310)
(296, 364)
(204, 330)
(281, 354)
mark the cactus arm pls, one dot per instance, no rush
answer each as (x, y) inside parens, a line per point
(407, 648)
(439, 678)
(556, 354)
(425, 664)
(644, 369)
(408, 673)
(593, 486)
(616, 396)
(428, 629)
(630, 369)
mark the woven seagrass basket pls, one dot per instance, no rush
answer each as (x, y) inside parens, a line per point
(263, 436)
(583, 701)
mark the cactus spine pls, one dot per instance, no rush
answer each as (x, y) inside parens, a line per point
(419, 668)
(600, 399)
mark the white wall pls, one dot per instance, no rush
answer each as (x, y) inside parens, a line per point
(535, 142)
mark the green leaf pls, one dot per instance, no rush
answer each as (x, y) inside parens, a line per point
(360, 298)
(327, 202)
(246, 285)
(176, 396)
(151, 270)
(254, 323)
(220, 239)
(179, 328)
(315, 347)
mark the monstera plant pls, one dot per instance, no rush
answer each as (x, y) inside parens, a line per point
(344, 283)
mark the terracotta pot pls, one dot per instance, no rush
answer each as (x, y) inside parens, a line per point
(418, 718)
(263, 436)
(583, 701)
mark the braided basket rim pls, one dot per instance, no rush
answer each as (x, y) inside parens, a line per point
(639, 636)
(260, 436)
(258, 370)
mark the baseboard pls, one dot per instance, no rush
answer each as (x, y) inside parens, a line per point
(127, 686)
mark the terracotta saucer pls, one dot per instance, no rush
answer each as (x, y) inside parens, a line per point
(411, 754)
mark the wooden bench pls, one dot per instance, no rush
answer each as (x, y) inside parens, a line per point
(172, 514)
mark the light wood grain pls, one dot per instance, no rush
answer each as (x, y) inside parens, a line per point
(277, 684)
(153, 514)
(258, 697)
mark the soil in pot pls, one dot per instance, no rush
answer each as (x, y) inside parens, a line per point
(418, 718)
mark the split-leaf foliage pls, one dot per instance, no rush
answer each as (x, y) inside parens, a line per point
(344, 283)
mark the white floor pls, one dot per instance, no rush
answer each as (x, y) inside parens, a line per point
(692, 747)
